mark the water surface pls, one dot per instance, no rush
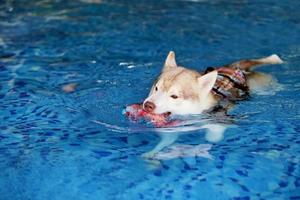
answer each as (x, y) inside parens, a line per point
(78, 145)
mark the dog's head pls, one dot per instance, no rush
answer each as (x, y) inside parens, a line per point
(180, 91)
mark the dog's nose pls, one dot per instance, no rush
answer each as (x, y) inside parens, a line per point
(149, 106)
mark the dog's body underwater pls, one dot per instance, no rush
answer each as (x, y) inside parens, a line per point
(179, 90)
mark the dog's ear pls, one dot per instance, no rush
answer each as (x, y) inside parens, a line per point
(207, 82)
(170, 61)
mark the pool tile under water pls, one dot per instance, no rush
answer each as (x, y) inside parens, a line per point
(78, 145)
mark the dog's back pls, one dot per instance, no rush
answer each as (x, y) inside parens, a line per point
(233, 80)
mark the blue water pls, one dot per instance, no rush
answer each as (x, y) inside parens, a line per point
(78, 145)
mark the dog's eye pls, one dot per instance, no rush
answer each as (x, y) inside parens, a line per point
(174, 96)
(156, 88)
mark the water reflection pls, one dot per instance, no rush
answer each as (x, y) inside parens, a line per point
(181, 150)
(167, 148)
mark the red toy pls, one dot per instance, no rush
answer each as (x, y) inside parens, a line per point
(136, 112)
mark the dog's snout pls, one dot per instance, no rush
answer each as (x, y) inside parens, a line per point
(149, 106)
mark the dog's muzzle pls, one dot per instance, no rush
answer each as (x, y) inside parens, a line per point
(149, 106)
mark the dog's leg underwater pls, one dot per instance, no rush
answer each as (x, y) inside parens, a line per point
(166, 140)
(214, 132)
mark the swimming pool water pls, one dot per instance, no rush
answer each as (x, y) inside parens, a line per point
(78, 145)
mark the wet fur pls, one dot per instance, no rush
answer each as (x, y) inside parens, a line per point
(193, 88)
(186, 84)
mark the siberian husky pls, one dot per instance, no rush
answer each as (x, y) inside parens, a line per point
(181, 91)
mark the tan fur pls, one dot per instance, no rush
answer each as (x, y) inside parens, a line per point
(194, 96)
(192, 90)
(181, 76)
(182, 79)
(248, 65)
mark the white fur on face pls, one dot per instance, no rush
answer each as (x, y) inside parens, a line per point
(165, 104)
(180, 106)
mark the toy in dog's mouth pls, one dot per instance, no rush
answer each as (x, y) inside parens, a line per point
(135, 112)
